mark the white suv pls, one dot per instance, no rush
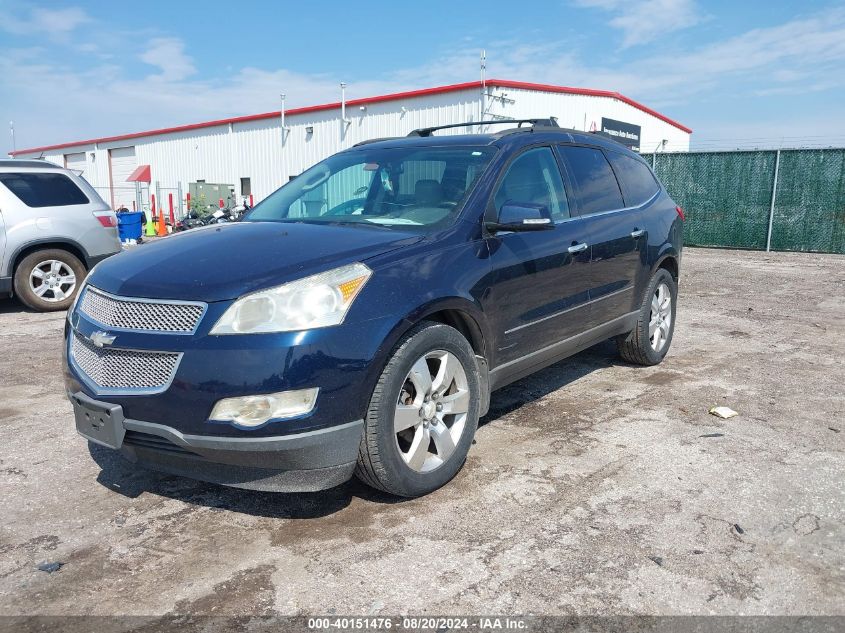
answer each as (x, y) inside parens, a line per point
(53, 228)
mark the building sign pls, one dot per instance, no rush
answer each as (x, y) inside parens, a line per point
(625, 133)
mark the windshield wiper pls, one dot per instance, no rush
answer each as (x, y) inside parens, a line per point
(366, 224)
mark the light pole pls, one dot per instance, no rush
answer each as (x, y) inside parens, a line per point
(483, 90)
(660, 145)
(12, 132)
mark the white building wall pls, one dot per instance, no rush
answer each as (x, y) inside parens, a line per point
(581, 112)
(98, 169)
(255, 149)
(377, 120)
(56, 159)
(94, 170)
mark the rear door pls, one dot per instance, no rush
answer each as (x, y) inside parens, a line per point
(539, 290)
(641, 192)
(616, 232)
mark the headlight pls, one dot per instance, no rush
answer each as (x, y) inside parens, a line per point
(79, 292)
(316, 301)
(73, 303)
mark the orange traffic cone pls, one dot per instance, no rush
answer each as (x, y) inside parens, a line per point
(161, 229)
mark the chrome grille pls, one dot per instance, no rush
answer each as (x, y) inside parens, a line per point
(123, 369)
(127, 313)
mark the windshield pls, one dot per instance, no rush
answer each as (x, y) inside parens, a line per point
(420, 188)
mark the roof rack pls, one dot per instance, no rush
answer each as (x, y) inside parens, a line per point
(427, 131)
(609, 137)
(375, 140)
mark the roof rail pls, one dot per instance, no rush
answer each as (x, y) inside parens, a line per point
(427, 131)
(609, 137)
(28, 162)
(375, 140)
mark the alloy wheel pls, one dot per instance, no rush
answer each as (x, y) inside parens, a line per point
(52, 280)
(431, 411)
(660, 319)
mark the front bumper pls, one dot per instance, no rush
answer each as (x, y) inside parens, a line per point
(169, 429)
(344, 362)
(300, 462)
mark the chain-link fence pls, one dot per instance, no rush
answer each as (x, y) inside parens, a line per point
(790, 200)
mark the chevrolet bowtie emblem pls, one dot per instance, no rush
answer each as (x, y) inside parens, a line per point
(100, 338)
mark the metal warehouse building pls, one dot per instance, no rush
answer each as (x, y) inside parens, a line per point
(256, 154)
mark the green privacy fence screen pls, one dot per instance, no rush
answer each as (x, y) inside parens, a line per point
(729, 198)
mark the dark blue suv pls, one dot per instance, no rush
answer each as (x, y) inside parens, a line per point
(358, 319)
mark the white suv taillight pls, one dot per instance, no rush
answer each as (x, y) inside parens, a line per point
(107, 218)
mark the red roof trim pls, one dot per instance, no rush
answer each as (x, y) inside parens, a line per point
(591, 93)
(470, 85)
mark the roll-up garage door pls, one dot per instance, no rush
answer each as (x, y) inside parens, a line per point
(122, 163)
(76, 162)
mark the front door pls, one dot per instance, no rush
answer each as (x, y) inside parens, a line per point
(539, 290)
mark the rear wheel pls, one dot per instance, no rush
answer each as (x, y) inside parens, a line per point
(48, 280)
(648, 343)
(422, 415)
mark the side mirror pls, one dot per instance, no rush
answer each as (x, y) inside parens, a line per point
(522, 217)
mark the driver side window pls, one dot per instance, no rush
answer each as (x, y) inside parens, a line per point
(534, 179)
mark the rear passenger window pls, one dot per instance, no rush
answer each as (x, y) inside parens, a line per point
(596, 188)
(638, 183)
(43, 189)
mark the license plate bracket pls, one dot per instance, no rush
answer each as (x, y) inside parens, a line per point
(100, 422)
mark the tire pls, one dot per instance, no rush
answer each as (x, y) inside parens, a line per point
(442, 424)
(638, 345)
(57, 268)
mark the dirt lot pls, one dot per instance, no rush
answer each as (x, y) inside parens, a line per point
(594, 487)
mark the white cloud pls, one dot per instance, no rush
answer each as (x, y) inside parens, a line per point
(58, 20)
(168, 55)
(646, 21)
(804, 51)
(804, 54)
(52, 22)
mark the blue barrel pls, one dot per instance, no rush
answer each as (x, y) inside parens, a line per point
(129, 225)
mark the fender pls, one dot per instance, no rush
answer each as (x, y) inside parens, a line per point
(420, 313)
(403, 324)
(469, 307)
(666, 251)
(672, 247)
(47, 241)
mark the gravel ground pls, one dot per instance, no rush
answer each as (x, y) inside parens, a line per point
(594, 487)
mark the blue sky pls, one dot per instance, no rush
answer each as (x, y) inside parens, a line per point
(755, 71)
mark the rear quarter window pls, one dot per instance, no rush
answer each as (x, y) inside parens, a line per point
(638, 183)
(596, 188)
(44, 189)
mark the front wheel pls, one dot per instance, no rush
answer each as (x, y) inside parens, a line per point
(422, 415)
(648, 342)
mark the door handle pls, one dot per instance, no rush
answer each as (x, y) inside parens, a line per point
(577, 248)
(637, 233)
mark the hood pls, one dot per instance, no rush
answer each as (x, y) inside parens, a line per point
(225, 261)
